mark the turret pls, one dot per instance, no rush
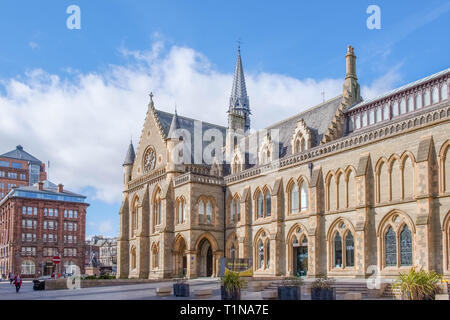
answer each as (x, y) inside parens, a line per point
(128, 165)
(172, 141)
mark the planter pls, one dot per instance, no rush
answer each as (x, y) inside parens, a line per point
(323, 293)
(289, 293)
(226, 295)
(181, 289)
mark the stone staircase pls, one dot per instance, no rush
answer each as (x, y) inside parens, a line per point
(390, 293)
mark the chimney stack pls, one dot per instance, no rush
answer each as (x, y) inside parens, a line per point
(350, 60)
(60, 188)
(41, 185)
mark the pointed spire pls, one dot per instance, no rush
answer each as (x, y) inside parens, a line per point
(239, 100)
(174, 125)
(129, 158)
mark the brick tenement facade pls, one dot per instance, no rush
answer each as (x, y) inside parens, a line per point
(340, 187)
(15, 170)
(34, 230)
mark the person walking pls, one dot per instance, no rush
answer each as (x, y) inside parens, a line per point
(18, 282)
(11, 278)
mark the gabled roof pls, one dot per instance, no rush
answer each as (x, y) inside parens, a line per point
(20, 154)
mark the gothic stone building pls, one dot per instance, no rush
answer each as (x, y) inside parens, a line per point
(342, 186)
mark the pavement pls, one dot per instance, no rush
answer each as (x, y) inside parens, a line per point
(145, 291)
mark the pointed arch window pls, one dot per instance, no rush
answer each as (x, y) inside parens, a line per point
(181, 211)
(304, 203)
(337, 250)
(201, 211)
(405, 247)
(157, 209)
(267, 253)
(391, 248)
(294, 198)
(260, 205)
(209, 212)
(349, 250)
(260, 254)
(268, 204)
(134, 217)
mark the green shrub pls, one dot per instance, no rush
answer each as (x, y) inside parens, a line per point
(232, 281)
(418, 285)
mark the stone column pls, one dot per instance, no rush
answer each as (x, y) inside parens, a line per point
(316, 237)
(423, 256)
(192, 262)
(363, 203)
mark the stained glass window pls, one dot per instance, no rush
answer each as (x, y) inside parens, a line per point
(261, 254)
(337, 251)
(391, 247)
(268, 254)
(405, 247)
(349, 250)
(294, 198)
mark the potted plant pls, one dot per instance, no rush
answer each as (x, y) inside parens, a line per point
(322, 289)
(180, 286)
(418, 285)
(290, 289)
(231, 285)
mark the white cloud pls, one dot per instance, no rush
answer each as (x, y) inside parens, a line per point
(83, 123)
(105, 227)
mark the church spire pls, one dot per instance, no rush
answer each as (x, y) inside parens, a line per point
(239, 102)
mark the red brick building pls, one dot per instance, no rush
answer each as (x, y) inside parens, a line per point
(38, 222)
(19, 168)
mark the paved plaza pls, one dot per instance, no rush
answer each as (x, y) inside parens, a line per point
(145, 291)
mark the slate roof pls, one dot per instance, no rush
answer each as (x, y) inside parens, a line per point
(317, 119)
(165, 119)
(20, 154)
(405, 87)
(129, 158)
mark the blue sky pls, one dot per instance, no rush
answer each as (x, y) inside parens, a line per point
(84, 82)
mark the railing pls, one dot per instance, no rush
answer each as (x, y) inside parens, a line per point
(190, 177)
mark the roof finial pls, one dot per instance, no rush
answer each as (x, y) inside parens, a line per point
(151, 104)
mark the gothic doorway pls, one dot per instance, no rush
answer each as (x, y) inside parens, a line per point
(180, 257)
(205, 259)
(301, 259)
